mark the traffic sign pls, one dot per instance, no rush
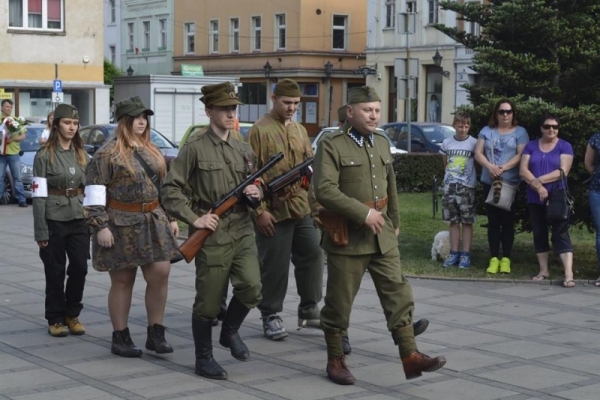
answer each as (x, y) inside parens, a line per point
(58, 97)
(57, 84)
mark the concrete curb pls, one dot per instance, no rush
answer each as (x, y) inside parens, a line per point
(553, 282)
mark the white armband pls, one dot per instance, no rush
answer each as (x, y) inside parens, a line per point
(95, 195)
(39, 187)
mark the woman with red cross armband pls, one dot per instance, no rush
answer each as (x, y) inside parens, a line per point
(59, 226)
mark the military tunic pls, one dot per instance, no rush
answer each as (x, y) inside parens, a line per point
(212, 167)
(346, 176)
(58, 219)
(140, 237)
(295, 232)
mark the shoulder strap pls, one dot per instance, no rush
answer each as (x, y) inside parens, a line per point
(153, 177)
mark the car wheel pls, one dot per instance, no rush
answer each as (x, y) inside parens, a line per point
(7, 196)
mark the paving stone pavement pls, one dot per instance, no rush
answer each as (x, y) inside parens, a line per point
(510, 341)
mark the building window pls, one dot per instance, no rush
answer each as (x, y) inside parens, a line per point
(214, 36)
(190, 37)
(433, 11)
(390, 13)
(113, 54)
(411, 6)
(280, 31)
(339, 32)
(234, 34)
(162, 39)
(113, 11)
(146, 26)
(256, 33)
(131, 35)
(36, 14)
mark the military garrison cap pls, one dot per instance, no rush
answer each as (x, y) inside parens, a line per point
(132, 106)
(221, 94)
(66, 111)
(363, 94)
(342, 113)
(287, 87)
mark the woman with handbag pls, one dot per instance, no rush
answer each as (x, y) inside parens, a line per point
(592, 166)
(498, 151)
(130, 227)
(545, 164)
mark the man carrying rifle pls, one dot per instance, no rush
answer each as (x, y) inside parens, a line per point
(355, 181)
(284, 226)
(212, 165)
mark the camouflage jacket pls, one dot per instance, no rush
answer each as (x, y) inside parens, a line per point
(270, 136)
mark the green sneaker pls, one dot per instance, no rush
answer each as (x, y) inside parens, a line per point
(494, 266)
(505, 265)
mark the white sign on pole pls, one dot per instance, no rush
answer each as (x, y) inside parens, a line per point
(58, 97)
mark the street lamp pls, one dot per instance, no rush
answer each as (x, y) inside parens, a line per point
(328, 71)
(267, 68)
(437, 61)
(129, 71)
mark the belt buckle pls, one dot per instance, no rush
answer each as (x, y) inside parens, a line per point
(69, 192)
(144, 205)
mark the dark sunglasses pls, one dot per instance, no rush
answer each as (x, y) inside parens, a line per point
(548, 126)
(505, 112)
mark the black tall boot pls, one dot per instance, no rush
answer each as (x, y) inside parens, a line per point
(230, 338)
(206, 365)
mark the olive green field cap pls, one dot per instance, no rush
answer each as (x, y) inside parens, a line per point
(132, 106)
(363, 94)
(66, 111)
(220, 94)
(287, 87)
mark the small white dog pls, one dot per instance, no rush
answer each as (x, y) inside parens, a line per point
(440, 246)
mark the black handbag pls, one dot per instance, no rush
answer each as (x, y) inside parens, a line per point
(560, 206)
(156, 182)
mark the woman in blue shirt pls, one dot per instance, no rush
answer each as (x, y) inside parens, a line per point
(498, 151)
(592, 162)
(540, 167)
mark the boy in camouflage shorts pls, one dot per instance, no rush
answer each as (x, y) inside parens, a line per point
(458, 200)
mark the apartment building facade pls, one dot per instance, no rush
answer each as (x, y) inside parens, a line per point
(319, 43)
(112, 32)
(47, 40)
(437, 90)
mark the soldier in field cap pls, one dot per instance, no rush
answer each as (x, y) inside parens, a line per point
(284, 225)
(212, 164)
(354, 178)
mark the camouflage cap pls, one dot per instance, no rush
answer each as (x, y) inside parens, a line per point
(221, 94)
(287, 87)
(342, 113)
(363, 94)
(66, 111)
(132, 106)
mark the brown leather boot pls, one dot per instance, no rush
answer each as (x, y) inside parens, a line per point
(338, 371)
(415, 363)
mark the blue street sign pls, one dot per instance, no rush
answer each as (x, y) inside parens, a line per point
(57, 85)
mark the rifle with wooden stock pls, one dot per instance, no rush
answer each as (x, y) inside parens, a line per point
(195, 241)
(290, 177)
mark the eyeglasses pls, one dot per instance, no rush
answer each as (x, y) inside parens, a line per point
(505, 112)
(548, 126)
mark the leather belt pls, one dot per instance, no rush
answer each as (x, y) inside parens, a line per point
(377, 204)
(237, 208)
(132, 207)
(71, 192)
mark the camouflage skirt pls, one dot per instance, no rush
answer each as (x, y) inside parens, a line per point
(144, 240)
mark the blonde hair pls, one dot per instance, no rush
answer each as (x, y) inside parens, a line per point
(125, 139)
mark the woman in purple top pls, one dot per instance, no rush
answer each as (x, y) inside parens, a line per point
(540, 167)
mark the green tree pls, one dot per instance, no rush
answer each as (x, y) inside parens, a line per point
(110, 71)
(545, 56)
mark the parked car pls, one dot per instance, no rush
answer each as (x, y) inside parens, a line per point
(426, 137)
(29, 146)
(244, 129)
(95, 136)
(37, 120)
(319, 136)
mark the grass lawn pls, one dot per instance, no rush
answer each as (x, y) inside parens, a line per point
(417, 229)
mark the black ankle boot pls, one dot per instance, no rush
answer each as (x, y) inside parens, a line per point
(230, 338)
(206, 365)
(156, 340)
(123, 346)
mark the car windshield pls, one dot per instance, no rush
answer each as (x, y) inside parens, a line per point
(437, 133)
(155, 137)
(32, 139)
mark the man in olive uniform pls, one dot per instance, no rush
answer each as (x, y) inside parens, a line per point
(212, 164)
(284, 225)
(355, 179)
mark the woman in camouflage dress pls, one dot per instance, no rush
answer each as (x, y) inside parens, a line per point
(130, 227)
